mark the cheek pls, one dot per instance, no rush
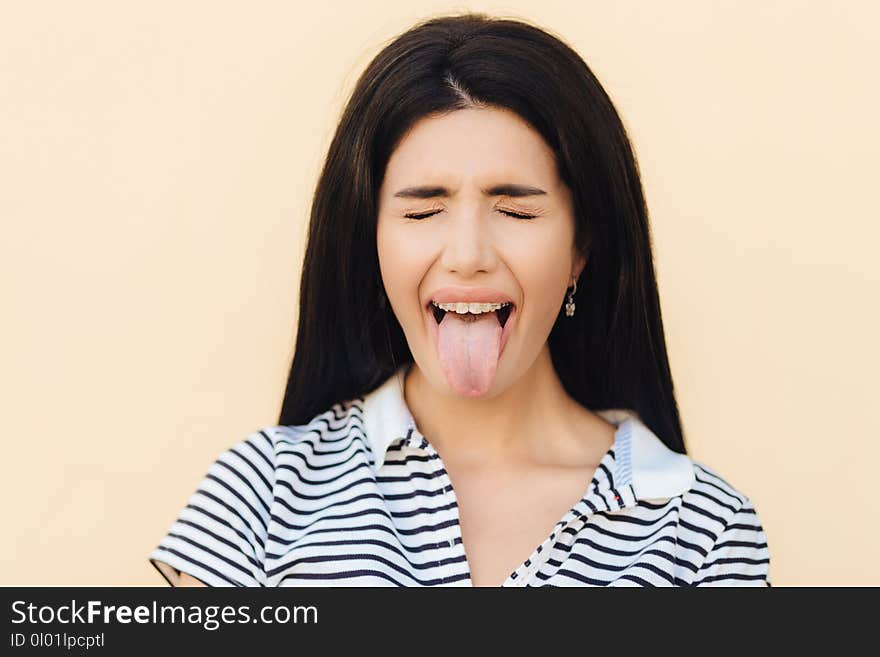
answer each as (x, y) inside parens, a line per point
(402, 262)
(542, 264)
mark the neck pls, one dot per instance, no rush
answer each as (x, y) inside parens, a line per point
(534, 419)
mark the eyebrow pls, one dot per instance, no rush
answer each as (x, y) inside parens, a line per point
(504, 189)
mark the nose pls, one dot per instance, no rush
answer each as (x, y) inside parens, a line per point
(468, 243)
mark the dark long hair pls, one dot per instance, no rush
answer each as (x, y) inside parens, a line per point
(612, 352)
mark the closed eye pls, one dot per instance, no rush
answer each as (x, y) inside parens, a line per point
(509, 213)
(517, 215)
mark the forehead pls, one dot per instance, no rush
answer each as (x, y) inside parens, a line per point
(479, 144)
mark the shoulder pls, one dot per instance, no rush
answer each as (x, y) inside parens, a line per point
(713, 502)
(333, 423)
(722, 531)
(222, 535)
(708, 501)
(310, 444)
(709, 489)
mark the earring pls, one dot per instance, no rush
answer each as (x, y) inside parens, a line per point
(569, 306)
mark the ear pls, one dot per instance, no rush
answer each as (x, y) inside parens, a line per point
(579, 261)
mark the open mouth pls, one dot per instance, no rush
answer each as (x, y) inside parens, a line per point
(506, 315)
(503, 313)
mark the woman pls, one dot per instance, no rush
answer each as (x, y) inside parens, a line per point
(480, 393)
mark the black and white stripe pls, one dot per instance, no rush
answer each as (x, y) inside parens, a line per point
(359, 497)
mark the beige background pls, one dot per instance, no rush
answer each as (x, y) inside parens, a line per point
(157, 161)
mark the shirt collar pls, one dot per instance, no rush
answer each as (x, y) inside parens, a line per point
(642, 460)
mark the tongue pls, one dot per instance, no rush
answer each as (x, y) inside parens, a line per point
(469, 347)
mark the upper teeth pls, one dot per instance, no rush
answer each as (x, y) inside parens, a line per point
(474, 308)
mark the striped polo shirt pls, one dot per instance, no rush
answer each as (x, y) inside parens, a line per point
(359, 497)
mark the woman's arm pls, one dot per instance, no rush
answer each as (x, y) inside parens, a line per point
(220, 533)
(189, 580)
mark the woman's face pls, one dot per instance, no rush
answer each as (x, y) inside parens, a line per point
(469, 178)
